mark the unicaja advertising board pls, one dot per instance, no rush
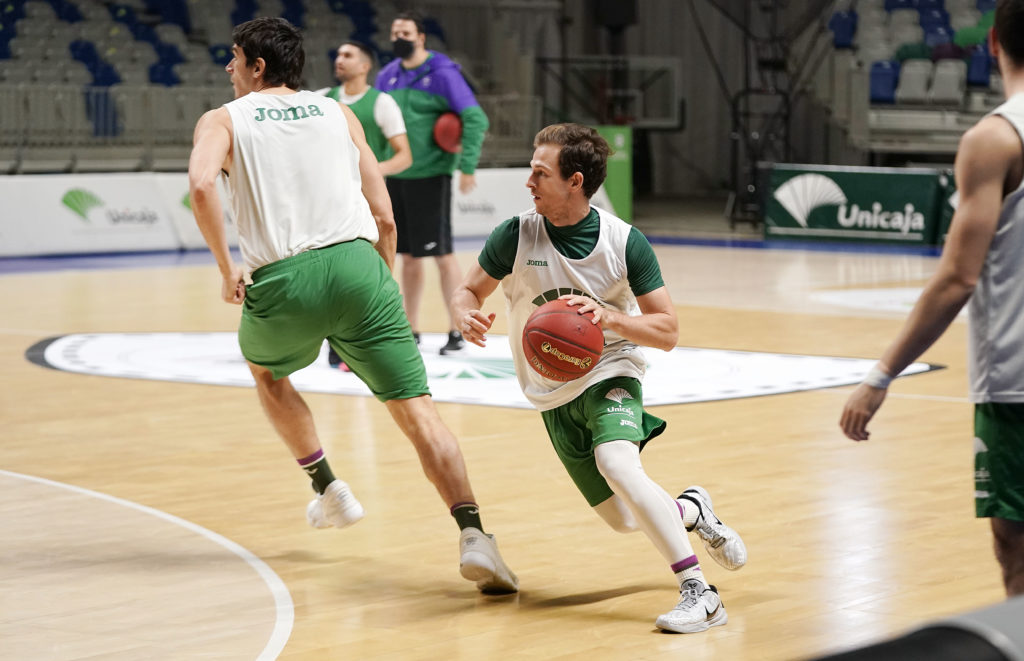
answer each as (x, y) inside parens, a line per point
(887, 205)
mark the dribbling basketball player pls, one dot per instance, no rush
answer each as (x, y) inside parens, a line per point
(597, 422)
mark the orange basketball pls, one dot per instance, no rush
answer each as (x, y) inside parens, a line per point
(448, 132)
(560, 343)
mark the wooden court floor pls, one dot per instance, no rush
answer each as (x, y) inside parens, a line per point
(154, 520)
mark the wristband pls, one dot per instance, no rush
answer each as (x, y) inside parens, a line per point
(876, 378)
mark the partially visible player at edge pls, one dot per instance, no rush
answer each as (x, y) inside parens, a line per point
(597, 423)
(319, 254)
(981, 267)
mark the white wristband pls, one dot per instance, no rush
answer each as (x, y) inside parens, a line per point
(876, 378)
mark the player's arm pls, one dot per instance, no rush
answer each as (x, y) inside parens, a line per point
(467, 300)
(402, 158)
(987, 154)
(656, 326)
(211, 153)
(374, 190)
(389, 118)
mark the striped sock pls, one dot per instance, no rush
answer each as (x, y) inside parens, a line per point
(467, 515)
(687, 569)
(318, 470)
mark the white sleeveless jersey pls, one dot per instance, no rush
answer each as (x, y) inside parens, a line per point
(996, 308)
(541, 273)
(294, 181)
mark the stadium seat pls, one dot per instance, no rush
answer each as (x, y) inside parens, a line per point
(884, 77)
(979, 67)
(893, 5)
(933, 17)
(843, 26)
(936, 35)
(985, 5)
(915, 81)
(948, 51)
(970, 36)
(927, 5)
(949, 82)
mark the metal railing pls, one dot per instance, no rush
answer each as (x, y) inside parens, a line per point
(126, 128)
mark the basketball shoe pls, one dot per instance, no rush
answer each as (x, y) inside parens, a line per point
(699, 609)
(721, 541)
(480, 561)
(455, 342)
(336, 507)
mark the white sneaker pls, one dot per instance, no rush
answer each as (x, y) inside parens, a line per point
(699, 609)
(721, 541)
(480, 561)
(336, 507)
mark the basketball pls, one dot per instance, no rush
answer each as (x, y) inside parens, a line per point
(560, 343)
(448, 132)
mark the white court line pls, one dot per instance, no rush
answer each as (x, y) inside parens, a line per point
(282, 598)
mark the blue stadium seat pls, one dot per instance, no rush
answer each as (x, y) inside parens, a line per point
(884, 77)
(924, 5)
(892, 5)
(221, 53)
(171, 11)
(101, 110)
(123, 14)
(163, 74)
(843, 25)
(11, 11)
(934, 17)
(168, 53)
(937, 35)
(104, 75)
(986, 5)
(66, 11)
(979, 67)
(84, 52)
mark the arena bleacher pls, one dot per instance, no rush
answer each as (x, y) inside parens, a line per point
(91, 86)
(909, 76)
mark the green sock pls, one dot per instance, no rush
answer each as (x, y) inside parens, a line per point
(318, 470)
(467, 515)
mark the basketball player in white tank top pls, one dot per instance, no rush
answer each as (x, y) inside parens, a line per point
(597, 423)
(981, 263)
(309, 200)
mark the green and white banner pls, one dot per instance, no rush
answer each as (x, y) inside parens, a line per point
(890, 205)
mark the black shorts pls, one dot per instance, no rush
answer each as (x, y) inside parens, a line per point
(423, 212)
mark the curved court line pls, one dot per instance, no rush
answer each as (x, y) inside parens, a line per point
(282, 598)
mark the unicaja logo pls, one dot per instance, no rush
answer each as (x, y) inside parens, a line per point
(618, 395)
(902, 221)
(81, 202)
(804, 193)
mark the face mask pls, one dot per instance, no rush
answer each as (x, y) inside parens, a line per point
(402, 48)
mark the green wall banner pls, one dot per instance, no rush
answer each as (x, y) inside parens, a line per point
(619, 183)
(889, 205)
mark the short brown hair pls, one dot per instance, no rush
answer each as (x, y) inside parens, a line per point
(583, 151)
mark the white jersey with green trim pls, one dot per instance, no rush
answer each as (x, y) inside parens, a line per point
(541, 273)
(996, 308)
(294, 181)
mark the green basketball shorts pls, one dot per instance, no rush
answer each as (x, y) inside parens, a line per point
(999, 460)
(612, 410)
(343, 293)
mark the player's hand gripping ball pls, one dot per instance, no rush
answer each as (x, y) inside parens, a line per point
(560, 343)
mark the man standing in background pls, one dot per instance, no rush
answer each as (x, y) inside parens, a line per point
(427, 84)
(379, 115)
